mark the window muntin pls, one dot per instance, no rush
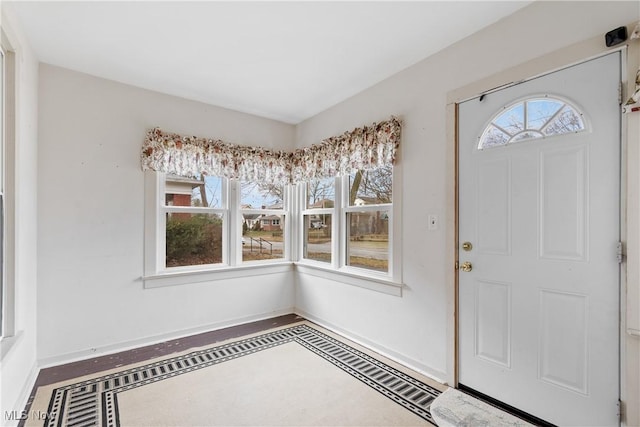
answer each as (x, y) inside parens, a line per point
(529, 119)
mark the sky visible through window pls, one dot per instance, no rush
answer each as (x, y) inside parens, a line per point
(257, 195)
(252, 194)
(531, 119)
(213, 192)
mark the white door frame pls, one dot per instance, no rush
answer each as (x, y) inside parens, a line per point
(547, 64)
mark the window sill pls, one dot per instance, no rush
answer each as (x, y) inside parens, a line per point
(378, 284)
(183, 277)
(171, 278)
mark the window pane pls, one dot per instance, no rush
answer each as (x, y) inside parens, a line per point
(180, 191)
(371, 187)
(566, 122)
(523, 136)
(317, 237)
(512, 120)
(368, 245)
(493, 137)
(542, 117)
(539, 111)
(321, 193)
(265, 240)
(193, 239)
(256, 195)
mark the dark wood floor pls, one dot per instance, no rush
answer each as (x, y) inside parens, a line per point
(98, 364)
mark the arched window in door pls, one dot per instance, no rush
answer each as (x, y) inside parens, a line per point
(532, 118)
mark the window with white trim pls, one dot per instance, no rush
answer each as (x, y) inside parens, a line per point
(2, 231)
(343, 224)
(532, 118)
(264, 231)
(194, 218)
(210, 223)
(7, 189)
(347, 223)
(318, 215)
(367, 218)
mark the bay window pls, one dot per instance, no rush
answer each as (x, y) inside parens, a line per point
(216, 207)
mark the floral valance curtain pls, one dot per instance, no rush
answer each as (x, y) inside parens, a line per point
(360, 149)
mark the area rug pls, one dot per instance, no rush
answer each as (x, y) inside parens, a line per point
(300, 375)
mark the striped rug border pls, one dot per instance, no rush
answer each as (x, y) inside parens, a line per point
(94, 402)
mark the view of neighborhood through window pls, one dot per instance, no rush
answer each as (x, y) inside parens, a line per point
(370, 198)
(366, 211)
(371, 187)
(263, 221)
(317, 219)
(196, 213)
(194, 217)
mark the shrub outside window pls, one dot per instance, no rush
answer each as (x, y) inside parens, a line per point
(209, 224)
(195, 218)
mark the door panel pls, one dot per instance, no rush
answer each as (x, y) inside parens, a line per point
(563, 219)
(493, 322)
(563, 340)
(494, 207)
(538, 312)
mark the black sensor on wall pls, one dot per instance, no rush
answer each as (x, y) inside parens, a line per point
(616, 36)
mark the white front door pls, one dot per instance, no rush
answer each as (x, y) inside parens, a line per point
(539, 310)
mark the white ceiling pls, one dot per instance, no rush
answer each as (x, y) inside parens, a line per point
(282, 60)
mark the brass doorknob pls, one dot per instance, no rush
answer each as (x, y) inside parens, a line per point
(466, 266)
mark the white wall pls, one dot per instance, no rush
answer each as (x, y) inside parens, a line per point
(90, 218)
(18, 360)
(417, 327)
(90, 203)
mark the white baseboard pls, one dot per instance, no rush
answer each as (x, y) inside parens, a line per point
(410, 363)
(21, 402)
(129, 345)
